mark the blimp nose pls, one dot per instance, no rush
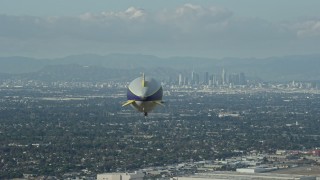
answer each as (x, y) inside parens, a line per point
(144, 94)
(143, 97)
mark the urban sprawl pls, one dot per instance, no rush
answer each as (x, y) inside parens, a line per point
(218, 126)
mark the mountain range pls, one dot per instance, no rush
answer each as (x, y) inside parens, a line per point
(88, 67)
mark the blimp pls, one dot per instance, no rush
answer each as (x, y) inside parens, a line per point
(144, 94)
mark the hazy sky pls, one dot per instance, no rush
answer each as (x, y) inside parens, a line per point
(205, 28)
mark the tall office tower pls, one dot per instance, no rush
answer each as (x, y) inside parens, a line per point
(242, 79)
(234, 79)
(185, 81)
(224, 77)
(196, 79)
(180, 80)
(211, 81)
(214, 80)
(192, 78)
(206, 78)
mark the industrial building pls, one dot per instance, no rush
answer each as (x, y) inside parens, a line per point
(120, 176)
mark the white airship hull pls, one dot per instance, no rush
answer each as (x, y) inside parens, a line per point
(144, 94)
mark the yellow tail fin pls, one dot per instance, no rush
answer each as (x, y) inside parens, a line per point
(128, 102)
(159, 103)
(143, 80)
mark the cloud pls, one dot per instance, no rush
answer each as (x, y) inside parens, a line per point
(131, 13)
(191, 19)
(196, 13)
(133, 21)
(309, 28)
(187, 30)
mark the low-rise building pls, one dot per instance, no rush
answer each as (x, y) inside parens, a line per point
(120, 176)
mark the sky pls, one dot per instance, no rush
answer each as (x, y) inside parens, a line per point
(201, 28)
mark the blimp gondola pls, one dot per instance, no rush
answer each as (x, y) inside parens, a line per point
(144, 94)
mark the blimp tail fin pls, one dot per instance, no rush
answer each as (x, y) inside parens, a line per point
(128, 103)
(143, 83)
(159, 103)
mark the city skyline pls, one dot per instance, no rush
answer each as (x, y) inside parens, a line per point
(212, 79)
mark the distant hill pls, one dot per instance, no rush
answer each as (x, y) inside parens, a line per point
(117, 66)
(16, 64)
(78, 73)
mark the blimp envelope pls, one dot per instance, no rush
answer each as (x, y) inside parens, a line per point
(144, 94)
